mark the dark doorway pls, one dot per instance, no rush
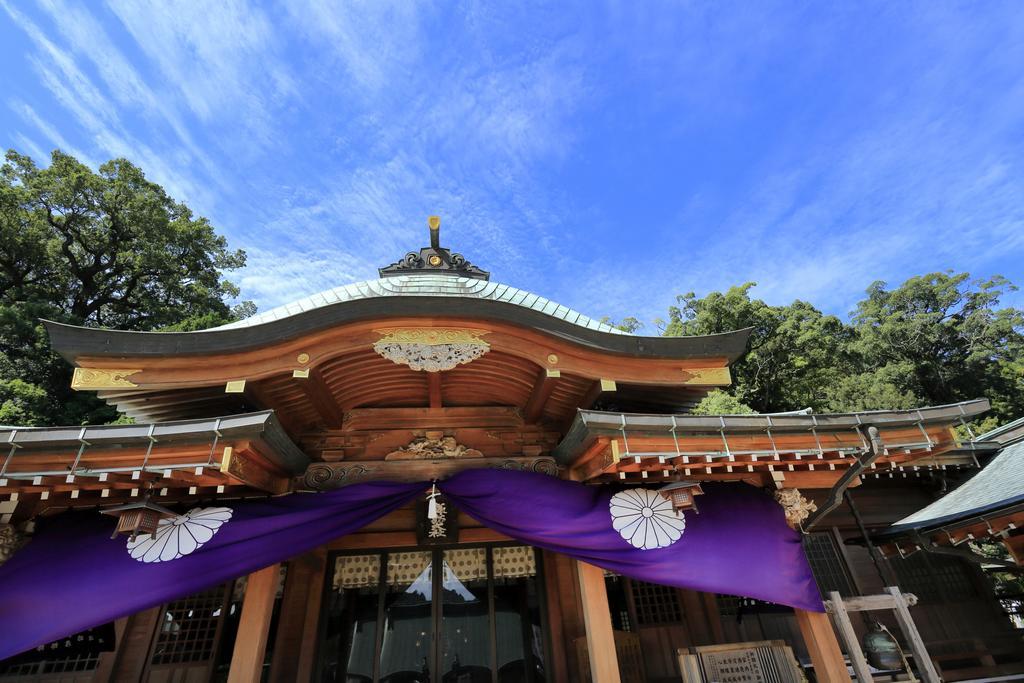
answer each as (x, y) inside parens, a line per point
(455, 615)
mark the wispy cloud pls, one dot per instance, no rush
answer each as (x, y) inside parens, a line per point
(609, 158)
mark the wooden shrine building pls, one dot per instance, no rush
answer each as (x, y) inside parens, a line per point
(430, 370)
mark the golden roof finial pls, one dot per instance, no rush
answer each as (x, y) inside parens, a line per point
(434, 223)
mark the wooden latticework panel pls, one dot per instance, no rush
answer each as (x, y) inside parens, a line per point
(190, 627)
(933, 577)
(656, 604)
(827, 564)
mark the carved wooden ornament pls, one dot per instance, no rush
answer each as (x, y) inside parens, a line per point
(431, 349)
(102, 378)
(797, 507)
(433, 446)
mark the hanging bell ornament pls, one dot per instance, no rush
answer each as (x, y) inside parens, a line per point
(881, 649)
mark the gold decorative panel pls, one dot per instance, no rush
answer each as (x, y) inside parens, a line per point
(102, 378)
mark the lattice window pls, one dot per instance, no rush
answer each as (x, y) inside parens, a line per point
(79, 652)
(189, 629)
(934, 577)
(84, 662)
(656, 604)
(827, 564)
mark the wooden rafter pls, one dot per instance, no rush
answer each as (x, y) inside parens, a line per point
(323, 400)
(546, 381)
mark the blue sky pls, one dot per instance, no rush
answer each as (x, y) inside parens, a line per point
(608, 156)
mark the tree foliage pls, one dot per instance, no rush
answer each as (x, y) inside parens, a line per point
(106, 248)
(937, 338)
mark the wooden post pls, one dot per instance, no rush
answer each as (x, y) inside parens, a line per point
(597, 618)
(837, 607)
(924, 663)
(829, 665)
(253, 626)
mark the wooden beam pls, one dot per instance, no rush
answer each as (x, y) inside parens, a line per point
(241, 466)
(547, 379)
(1015, 545)
(598, 387)
(434, 386)
(368, 419)
(257, 396)
(924, 663)
(841, 616)
(822, 646)
(318, 393)
(254, 626)
(597, 618)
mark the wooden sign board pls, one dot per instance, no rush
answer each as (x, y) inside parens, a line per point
(754, 662)
(443, 530)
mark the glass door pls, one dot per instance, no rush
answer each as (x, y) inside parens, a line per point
(459, 615)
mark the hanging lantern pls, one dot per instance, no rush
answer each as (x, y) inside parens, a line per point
(682, 495)
(142, 517)
(881, 649)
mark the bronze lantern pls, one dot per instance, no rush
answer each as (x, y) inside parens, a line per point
(682, 495)
(142, 517)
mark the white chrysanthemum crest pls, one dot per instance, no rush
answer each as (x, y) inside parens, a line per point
(645, 518)
(179, 536)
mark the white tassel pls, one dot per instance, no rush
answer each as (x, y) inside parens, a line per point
(432, 502)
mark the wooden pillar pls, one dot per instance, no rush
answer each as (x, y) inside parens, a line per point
(829, 665)
(597, 618)
(253, 626)
(297, 619)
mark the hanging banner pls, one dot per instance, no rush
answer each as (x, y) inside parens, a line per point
(739, 542)
(72, 576)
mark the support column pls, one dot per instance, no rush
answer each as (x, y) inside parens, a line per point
(816, 629)
(597, 618)
(254, 625)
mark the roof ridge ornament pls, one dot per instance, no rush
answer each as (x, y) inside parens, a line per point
(434, 259)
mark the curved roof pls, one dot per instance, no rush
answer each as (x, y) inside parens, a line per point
(997, 486)
(426, 284)
(414, 295)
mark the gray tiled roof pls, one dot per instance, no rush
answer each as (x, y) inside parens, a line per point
(426, 284)
(998, 485)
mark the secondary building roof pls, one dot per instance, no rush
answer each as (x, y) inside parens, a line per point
(996, 487)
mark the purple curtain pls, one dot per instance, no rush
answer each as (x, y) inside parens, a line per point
(739, 543)
(72, 575)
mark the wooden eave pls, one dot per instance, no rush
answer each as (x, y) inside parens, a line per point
(805, 450)
(75, 342)
(108, 464)
(313, 379)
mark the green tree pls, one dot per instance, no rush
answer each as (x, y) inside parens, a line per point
(795, 353)
(106, 248)
(943, 337)
(719, 402)
(937, 338)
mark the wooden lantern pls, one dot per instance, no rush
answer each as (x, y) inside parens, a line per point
(142, 517)
(682, 495)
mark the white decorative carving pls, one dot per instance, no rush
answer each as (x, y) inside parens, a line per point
(431, 349)
(797, 507)
(422, 357)
(179, 536)
(645, 519)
